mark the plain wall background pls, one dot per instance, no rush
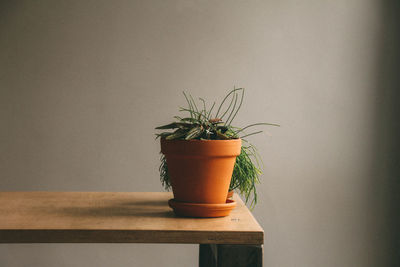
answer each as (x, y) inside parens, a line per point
(84, 83)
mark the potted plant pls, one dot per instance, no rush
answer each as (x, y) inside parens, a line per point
(205, 156)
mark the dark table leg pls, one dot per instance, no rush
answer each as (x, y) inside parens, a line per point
(213, 255)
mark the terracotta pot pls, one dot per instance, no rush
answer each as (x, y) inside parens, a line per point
(200, 170)
(230, 194)
(202, 210)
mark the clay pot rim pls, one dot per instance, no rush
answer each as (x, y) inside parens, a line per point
(193, 148)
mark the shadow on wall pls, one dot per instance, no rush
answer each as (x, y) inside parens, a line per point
(386, 184)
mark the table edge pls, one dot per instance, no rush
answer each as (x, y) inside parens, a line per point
(129, 236)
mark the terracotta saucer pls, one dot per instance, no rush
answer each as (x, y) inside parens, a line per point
(202, 210)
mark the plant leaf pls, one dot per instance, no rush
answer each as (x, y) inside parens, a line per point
(177, 134)
(193, 120)
(165, 134)
(193, 133)
(222, 136)
(175, 125)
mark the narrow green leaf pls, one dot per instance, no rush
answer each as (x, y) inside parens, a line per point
(233, 109)
(237, 110)
(177, 134)
(255, 124)
(251, 134)
(223, 101)
(193, 133)
(168, 126)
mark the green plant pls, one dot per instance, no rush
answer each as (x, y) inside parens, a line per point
(201, 124)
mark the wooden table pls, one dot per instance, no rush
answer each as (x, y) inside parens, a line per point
(135, 217)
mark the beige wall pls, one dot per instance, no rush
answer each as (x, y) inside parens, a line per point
(84, 83)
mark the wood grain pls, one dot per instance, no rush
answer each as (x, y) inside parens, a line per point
(116, 217)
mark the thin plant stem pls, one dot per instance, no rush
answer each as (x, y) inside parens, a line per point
(251, 134)
(223, 101)
(233, 108)
(256, 124)
(237, 110)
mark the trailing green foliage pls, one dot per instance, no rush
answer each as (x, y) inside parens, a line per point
(200, 124)
(246, 174)
(164, 176)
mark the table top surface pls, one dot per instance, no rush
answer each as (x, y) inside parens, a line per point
(116, 217)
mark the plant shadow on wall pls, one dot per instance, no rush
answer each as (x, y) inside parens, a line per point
(202, 124)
